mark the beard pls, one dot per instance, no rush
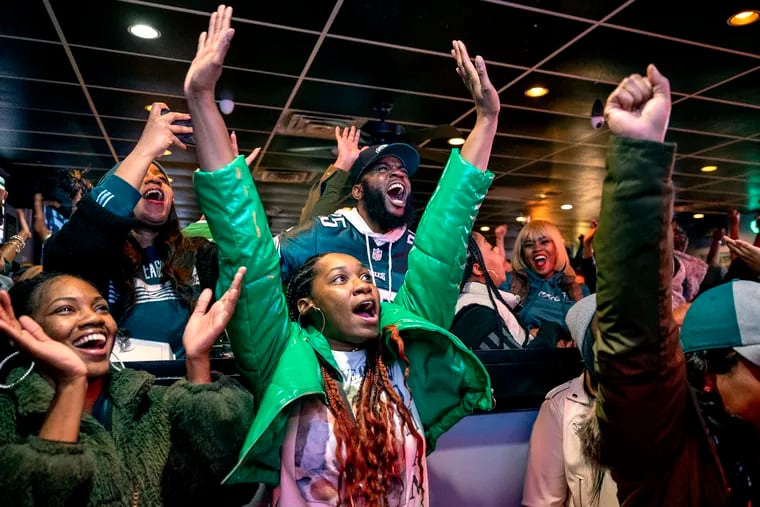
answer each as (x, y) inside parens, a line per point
(374, 203)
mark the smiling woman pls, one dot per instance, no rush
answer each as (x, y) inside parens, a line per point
(544, 280)
(74, 432)
(125, 237)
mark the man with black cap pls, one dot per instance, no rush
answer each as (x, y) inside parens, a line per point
(376, 231)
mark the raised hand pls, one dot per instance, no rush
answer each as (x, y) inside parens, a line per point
(500, 232)
(251, 156)
(588, 238)
(213, 45)
(203, 328)
(159, 132)
(475, 78)
(56, 359)
(640, 106)
(734, 217)
(348, 147)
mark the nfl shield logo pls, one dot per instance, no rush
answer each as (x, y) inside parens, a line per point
(377, 254)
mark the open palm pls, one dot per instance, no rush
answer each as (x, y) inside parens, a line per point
(204, 327)
(206, 67)
(57, 359)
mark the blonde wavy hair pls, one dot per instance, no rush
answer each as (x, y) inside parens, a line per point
(533, 231)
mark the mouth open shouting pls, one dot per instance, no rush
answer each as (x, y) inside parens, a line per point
(154, 196)
(367, 310)
(397, 193)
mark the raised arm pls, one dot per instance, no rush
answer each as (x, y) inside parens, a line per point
(228, 197)
(643, 390)
(477, 148)
(436, 262)
(157, 136)
(212, 141)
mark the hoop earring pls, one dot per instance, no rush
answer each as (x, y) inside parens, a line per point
(324, 321)
(121, 365)
(20, 379)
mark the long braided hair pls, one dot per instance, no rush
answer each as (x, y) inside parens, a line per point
(737, 442)
(370, 435)
(475, 256)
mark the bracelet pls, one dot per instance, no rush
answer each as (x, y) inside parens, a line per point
(21, 243)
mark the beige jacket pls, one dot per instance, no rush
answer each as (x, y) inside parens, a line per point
(557, 473)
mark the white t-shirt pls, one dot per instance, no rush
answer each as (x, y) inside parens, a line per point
(309, 475)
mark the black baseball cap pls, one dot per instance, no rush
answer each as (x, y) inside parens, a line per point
(406, 153)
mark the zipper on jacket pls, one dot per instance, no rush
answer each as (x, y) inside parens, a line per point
(135, 496)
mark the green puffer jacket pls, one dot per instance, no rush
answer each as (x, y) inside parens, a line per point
(280, 360)
(165, 446)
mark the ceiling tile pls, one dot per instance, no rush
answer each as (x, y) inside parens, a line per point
(432, 24)
(609, 55)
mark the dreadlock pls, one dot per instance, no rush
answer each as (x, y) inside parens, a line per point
(369, 442)
(475, 256)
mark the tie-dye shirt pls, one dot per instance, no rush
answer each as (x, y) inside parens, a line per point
(309, 474)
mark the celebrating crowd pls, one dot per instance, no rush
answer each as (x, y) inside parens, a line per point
(355, 338)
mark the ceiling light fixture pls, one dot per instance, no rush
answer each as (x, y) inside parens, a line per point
(144, 31)
(743, 18)
(226, 106)
(566, 207)
(698, 215)
(536, 91)
(522, 219)
(485, 228)
(709, 168)
(167, 153)
(456, 141)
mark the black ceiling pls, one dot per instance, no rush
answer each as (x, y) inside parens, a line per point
(74, 85)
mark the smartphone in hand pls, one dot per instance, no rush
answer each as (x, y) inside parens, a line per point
(188, 139)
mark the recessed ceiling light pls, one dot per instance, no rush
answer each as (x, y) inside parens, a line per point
(144, 31)
(521, 219)
(456, 141)
(698, 215)
(167, 153)
(536, 91)
(485, 228)
(709, 168)
(743, 18)
(566, 207)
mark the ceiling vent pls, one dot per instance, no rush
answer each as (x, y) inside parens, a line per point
(284, 176)
(315, 126)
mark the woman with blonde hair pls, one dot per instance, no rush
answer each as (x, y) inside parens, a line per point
(543, 279)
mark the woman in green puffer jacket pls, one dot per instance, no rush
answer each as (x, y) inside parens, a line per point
(352, 393)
